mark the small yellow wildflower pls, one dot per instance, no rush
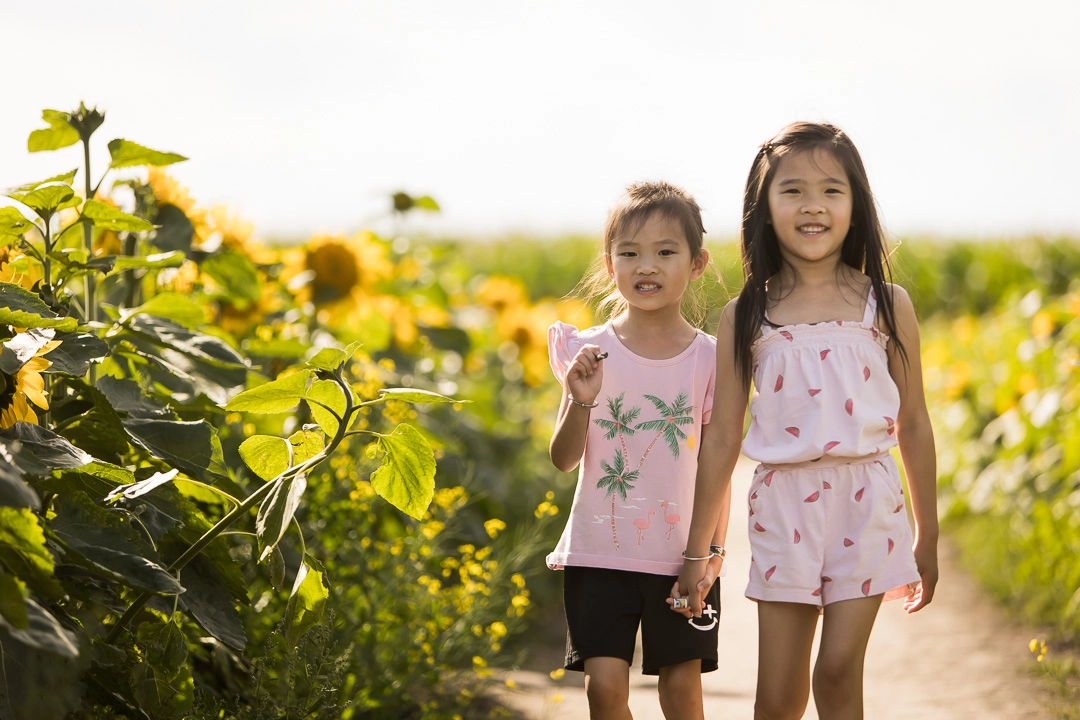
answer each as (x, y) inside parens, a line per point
(557, 674)
(493, 526)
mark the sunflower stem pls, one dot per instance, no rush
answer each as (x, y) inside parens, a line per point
(88, 236)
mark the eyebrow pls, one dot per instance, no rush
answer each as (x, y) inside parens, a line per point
(631, 242)
(824, 181)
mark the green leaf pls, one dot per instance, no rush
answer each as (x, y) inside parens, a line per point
(65, 178)
(157, 261)
(14, 491)
(175, 231)
(13, 602)
(59, 134)
(41, 451)
(275, 566)
(127, 397)
(199, 346)
(425, 202)
(306, 444)
(211, 604)
(98, 430)
(330, 394)
(266, 455)
(129, 154)
(328, 359)
(22, 547)
(406, 477)
(277, 511)
(107, 540)
(107, 217)
(411, 395)
(76, 353)
(164, 646)
(13, 224)
(158, 697)
(181, 309)
(277, 396)
(307, 601)
(193, 446)
(44, 632)
(22, 308)
(48, 199)
(236, 277)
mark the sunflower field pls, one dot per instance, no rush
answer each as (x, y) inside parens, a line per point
(241, 481)
(249, 480)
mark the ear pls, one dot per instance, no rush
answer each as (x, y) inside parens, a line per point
(697, 268)
(607, 264)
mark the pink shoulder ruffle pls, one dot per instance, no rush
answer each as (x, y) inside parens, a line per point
(563, 344)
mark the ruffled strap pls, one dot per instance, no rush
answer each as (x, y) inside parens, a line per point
(563, 344)
(870, 314)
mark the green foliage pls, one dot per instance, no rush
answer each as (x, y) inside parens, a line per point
(124, 514)
(1005, 395)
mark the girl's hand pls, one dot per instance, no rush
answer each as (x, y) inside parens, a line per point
(706, 573)
(585, 375)
(926, 562)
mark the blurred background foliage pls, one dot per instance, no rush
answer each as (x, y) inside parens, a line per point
(420, 612)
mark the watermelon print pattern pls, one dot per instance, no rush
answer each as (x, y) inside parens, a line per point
(823, 394)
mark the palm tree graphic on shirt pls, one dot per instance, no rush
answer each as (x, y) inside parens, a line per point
(619, 478)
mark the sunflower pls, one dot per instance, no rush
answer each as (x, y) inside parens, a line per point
(338, 269)
(23, 387)
(168, 191)
(19, 269)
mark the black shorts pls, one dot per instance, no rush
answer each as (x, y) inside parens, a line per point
(605, 607)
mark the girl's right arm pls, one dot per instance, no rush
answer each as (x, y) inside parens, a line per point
(721, 441)
(584, 377)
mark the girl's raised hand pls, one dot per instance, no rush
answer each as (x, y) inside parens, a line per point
(585, 375)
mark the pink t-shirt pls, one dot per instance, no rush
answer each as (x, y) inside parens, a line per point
(821, 390)
(635, 490)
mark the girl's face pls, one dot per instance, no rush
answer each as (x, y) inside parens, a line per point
(810, 200)
(652, 265)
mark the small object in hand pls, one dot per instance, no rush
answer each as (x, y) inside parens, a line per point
(680, 603)
(601, 355)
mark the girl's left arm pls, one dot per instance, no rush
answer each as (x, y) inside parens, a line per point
(915, 437)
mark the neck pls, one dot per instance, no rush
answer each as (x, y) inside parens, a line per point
(656, 335)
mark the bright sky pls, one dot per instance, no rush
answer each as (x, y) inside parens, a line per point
(533, 116)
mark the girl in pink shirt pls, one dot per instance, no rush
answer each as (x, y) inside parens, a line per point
(637, 391)
(832, 352)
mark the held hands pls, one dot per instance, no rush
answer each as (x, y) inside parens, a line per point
(691, 589)
(585, 375)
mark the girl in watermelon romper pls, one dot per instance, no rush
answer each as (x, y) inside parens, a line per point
(832, 352)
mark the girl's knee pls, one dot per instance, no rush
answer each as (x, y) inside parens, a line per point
(837, 678)
(680, 689)
(780, 706)
(607, 691)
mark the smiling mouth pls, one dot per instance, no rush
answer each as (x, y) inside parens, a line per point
(647, 286)
(812, 229)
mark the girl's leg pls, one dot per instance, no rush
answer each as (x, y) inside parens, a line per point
(785, 638)
(838, 672)
(607, 685)
(680, 691)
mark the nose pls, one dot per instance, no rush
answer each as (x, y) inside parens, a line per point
(647, 266)
(813, 206)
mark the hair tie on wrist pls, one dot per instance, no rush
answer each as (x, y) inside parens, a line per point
(718, 551)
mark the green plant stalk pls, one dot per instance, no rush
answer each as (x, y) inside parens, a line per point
(90, 285)
(249, 502)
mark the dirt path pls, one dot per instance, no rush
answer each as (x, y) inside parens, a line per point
(956, 660)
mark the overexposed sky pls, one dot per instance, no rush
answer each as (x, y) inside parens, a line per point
(533, 116)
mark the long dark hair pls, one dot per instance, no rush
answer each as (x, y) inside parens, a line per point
(864, 248)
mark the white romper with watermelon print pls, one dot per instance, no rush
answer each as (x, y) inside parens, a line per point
(826, 504)
(635, 488)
